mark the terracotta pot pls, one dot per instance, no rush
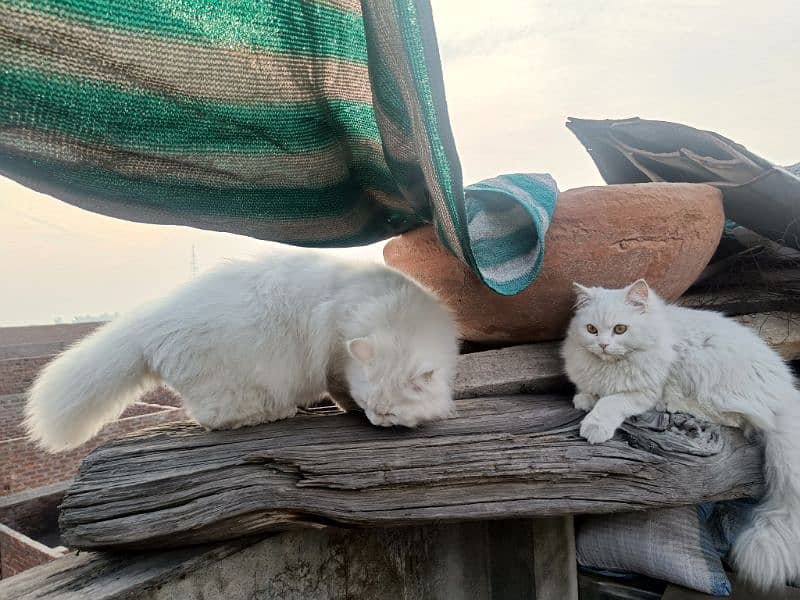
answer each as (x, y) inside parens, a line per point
(610, 236)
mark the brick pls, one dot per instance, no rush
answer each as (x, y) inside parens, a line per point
(17, 374)
(18, 552)
(40, 340)
(24, 466)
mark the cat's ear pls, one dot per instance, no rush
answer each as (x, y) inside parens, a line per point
(361, 349)
(638, 294)
(421, 381)
(583, 295)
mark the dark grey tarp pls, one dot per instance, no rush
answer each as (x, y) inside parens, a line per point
(757, 194)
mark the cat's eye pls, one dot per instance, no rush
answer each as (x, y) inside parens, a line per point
(620, 329)
(591, 329)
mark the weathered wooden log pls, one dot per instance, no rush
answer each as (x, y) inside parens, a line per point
(525, 369)
(503, 457)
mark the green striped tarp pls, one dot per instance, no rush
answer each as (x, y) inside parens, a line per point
(309, 122)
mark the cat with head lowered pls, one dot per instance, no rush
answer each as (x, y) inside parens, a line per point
(628, 351)
(255, 340)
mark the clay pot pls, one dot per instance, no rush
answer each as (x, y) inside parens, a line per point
(610, 236)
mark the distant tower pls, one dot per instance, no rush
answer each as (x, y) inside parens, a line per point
(194, 262)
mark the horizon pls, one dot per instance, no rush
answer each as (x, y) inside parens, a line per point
(513, 74)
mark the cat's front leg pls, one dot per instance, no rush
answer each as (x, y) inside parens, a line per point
(610, 412)
(340, 394)
(344, 401)
(585, 402)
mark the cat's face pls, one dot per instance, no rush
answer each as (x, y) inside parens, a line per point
(398, 385)
(611, 324)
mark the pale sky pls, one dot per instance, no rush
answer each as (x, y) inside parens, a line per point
(514, 71)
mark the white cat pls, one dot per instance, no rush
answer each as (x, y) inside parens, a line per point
(254, 340)
(627, 351)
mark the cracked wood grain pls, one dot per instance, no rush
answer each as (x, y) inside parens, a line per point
(500, 457)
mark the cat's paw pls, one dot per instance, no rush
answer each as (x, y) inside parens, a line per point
(597, 430)
(584, 402)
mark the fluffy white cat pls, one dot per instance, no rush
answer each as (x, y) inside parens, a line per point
(254, 340)
(627, 351)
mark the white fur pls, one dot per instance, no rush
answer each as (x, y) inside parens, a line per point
(699, 362)
(254, 340)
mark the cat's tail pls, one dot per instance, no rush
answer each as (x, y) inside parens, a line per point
(767, 553)
(87, 386)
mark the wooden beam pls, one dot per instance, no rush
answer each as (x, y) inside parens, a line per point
(554, 561)
(504, 457)
(525, 369)
(112, 576)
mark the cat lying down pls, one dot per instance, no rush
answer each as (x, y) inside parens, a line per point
(255, 340)
(627, 351)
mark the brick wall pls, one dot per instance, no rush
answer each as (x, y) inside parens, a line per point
(34, 512)
(26, 350)
(16, 342)
(11, 408)
(138, 409)
(29, 533)
(162, 396)
(18, 552)
(12, 412)
(23, 465)
(17, 374)
(27, 510)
